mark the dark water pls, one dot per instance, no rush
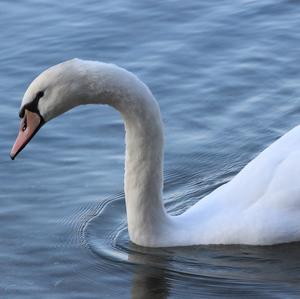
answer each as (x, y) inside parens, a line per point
(226, 75)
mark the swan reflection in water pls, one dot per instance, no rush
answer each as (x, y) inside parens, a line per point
(211, 271)
(150, 281)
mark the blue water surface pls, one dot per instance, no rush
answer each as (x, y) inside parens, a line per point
(227, 77)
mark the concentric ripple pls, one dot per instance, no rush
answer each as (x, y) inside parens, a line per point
(206, 270)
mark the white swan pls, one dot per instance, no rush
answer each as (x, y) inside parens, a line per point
(260, 206)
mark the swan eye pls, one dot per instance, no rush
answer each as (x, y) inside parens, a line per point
(32, 106)
(39, 94)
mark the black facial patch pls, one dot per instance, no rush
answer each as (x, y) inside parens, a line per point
(33, 105)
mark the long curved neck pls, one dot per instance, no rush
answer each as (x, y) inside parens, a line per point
(144, 149)
(144, 170)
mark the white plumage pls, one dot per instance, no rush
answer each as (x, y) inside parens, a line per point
(259, 206)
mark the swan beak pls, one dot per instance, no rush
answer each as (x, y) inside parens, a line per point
(29, 125)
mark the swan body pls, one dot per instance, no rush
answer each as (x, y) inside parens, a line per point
(259, 206)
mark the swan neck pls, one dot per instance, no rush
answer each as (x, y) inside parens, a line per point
(143, 182)
(144, 176)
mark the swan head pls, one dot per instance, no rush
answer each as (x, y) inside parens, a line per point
(53, 92)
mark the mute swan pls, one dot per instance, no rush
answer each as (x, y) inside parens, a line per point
(259, 206)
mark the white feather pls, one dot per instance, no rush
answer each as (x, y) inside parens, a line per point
(260, 206)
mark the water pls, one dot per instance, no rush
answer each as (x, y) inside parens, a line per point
(226, 75)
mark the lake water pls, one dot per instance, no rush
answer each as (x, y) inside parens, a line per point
(227, 77)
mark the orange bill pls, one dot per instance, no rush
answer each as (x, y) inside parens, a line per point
(30, 124)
